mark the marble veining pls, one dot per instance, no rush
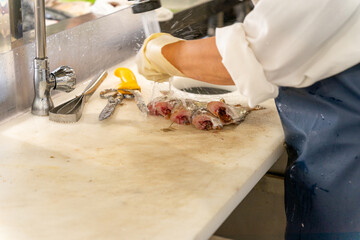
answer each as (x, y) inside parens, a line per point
(124, 178)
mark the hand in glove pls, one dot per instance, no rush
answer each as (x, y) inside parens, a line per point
(151, 62)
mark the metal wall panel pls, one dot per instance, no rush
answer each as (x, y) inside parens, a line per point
(5, 34)
(88, 48)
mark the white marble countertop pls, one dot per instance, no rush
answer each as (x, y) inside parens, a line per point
(125, 178)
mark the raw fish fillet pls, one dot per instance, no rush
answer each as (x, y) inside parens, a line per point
(202, 115)
(162, 106)
(181, 116)
(205, 120)
(226, 113)
(183, 111)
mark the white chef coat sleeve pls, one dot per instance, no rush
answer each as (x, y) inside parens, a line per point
(290, 43)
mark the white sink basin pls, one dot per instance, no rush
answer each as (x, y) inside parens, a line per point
(183, 83)
(194, 89)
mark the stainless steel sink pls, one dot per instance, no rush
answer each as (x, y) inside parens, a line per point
(205, 90)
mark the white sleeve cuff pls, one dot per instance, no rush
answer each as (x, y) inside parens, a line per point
(242, 65)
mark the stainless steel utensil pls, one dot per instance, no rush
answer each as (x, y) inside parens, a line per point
(71, 110)
(139, 101)
(114, 98)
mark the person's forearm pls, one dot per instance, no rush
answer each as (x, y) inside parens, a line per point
(198, 59)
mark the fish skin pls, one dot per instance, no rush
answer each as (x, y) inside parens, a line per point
(228, 114)
(162, 106)
(204, 120)
(221, 110)
(181, 116)
(183, 111)
(202, 115)
(240, 114)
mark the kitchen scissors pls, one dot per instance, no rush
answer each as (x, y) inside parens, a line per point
(114, 98)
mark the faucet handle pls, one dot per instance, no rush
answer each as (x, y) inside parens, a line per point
(65, 78)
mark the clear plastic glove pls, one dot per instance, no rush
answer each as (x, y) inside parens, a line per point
(150, 61)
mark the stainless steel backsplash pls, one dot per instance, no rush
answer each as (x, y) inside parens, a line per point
(87, 47)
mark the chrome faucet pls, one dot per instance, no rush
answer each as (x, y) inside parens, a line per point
(63, 78)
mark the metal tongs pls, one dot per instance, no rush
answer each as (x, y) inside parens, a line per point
(71, 110)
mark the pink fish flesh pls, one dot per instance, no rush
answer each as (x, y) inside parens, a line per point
(204, 120)
(226, 113)
(162, 106)
(203, 115)
(181, 116)
(183, 111)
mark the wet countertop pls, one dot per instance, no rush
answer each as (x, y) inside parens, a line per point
(125, 178)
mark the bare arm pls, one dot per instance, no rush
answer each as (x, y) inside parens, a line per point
(198, 59)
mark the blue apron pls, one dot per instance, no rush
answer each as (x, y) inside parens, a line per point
(322, 179)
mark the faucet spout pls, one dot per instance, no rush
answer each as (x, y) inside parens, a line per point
(62, 79)
(40, 29)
